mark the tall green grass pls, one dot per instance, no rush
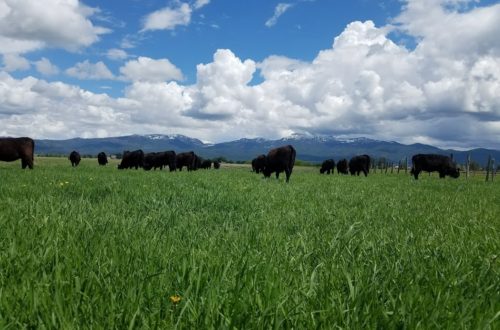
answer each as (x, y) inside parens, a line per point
(94, 247)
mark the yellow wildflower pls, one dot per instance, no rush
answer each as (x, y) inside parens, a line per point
(175, 299)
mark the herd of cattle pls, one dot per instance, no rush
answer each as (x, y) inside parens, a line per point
(153, 160)
(277, 160)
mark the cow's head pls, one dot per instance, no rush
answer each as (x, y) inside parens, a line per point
(454, 172)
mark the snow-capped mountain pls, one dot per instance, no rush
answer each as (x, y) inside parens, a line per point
(312, 148)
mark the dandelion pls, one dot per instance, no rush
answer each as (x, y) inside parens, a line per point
(175, 299)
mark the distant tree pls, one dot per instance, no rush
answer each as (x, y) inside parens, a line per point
(381, 162)
(474, 166)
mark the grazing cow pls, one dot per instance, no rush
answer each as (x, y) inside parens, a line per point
(206, 164)
(359, 164)
(258, 163)
(327, 166)
(159, 159)
(342, 167)
(216, 164)
(102, 159)
(434, 163)
(188, 159)
(12, 149)
(74, 158)
(131, 159)
(279, 160)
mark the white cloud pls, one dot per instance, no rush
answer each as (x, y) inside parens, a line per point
(200, 3)
(91, 71)
(279, 10)
(116, 54)
(15, 62)
(168, 18)
(30, 25)
(45, 67)
(148, 69)
(363, 85)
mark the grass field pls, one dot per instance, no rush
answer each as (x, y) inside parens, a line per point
(94, 247)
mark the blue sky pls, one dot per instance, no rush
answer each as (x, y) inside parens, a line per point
(412, 71)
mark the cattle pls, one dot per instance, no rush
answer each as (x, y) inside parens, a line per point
(342, 166)
(258, 163)
(74, 158)
(359, 164)
(216, 164)
(12, 149)
(444, 165)
(131, 159)
(102, 159)
(206, 164)
(159, 159)
(279, 160)
(327, 166)
(188, 159)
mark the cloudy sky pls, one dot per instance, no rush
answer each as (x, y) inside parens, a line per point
(410, 71)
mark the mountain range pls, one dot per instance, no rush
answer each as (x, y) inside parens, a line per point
(309, 148)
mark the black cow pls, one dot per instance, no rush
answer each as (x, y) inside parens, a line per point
(74, 158)
(216, 164)
(258, 163)
(279, 160)
(434, 163)
(327, 166)
(188, 159)
(206, 164)
(131, 159)
(359, 164)
(342, 167)
(12, 149)
(159, 159)
(102, 159)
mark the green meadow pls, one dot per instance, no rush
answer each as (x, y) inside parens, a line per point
(95, 247)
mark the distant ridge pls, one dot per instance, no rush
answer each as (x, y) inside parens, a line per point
(310, 148)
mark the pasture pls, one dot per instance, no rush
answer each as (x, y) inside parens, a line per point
(94, 247)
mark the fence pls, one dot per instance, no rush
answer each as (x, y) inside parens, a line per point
(383, 166)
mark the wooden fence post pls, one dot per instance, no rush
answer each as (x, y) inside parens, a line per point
(488, 167)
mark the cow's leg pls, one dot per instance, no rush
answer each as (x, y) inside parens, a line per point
(277, 175)
(441, 174)
(27, 162)
(365, 172)
(288, 172)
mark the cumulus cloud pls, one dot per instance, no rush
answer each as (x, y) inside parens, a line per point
(365, 84)
(45, 67)
(90, 71)
(30, 25)
(279, 10)
(116, 54)
(168, 18)
(14, 62)
(148, 69)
